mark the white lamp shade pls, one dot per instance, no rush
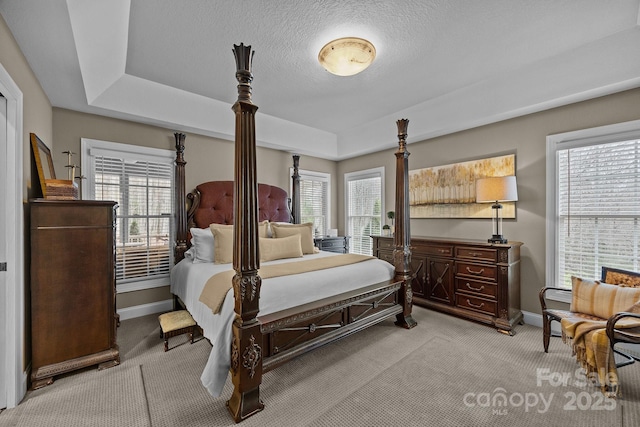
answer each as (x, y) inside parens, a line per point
(496, 189)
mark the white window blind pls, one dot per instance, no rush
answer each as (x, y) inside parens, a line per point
(364, 195)
(142, 185)
(597, 207)
(314, 199)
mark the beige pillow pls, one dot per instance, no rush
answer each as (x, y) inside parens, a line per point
(222, 243)
(223, 248)
(285, 247)
(601, 299)
(263, 228)
(304, 230)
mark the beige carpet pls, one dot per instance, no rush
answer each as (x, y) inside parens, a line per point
(446, 371)
(113, 397)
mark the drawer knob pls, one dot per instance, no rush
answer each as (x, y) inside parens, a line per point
(474, 305)
(443, 251)
(474, 254)
(475, 272)
(480, 289)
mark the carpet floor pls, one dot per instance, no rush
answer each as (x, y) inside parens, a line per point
(444, 372)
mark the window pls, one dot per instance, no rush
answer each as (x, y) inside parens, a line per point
(314, 199)
(364, 206)
(593, 206)
(141, 180)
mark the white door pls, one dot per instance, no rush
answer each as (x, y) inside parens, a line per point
(3, 258)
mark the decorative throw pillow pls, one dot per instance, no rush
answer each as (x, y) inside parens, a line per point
(621, 277)
(201, 245)
(222, 243)
(304, 230)
(285, 247)
(601, 299)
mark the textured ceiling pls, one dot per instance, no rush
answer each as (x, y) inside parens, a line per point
(445, 65)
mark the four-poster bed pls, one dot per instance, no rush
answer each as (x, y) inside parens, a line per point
(295, 313)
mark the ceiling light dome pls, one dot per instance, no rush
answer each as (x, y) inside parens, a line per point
(347, 56)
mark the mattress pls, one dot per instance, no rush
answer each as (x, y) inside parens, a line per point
(278, 293)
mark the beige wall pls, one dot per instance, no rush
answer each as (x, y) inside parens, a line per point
(37, 108)
(526, 138)
(37, 118)
(208, 159)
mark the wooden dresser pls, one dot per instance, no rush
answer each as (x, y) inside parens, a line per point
(73, 319)
(471, 279)
(339, 244)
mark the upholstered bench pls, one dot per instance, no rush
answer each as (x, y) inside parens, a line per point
(176, 323)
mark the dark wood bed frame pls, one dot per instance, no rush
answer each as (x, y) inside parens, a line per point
(261, 343)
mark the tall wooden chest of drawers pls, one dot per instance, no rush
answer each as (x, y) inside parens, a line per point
(73, 319)
(469, 279)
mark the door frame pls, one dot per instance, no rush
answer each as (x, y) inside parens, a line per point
(14, 305)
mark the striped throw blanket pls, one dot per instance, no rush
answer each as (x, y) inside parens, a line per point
(218, 285)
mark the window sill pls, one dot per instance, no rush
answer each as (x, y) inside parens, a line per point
(142, 285)
(559, 296)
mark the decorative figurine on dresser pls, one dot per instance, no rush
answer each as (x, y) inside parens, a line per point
(73, 317)
(471, 279)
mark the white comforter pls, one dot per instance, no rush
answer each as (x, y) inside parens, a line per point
(278, 293)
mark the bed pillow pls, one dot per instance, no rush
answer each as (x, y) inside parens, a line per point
(223, 249)
(263, 228)
(304, 230)
(201, 245)
(222, 243)
(285, 247)
(601, 299)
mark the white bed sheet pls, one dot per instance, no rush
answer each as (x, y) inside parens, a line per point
(188, 279)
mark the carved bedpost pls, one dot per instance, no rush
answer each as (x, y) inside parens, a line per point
(402, 235)
(246, 348)
(180, 200)
(295, 196)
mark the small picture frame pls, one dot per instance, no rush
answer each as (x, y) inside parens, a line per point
(44, 162)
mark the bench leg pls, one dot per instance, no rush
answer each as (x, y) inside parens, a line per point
(546, 332)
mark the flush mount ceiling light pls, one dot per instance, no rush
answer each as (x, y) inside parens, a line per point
(347, 56)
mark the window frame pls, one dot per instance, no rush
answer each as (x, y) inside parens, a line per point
(315, 176)
(139, 153)
(562, 141)
(359, 175)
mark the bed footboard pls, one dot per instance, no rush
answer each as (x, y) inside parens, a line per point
(290, 333)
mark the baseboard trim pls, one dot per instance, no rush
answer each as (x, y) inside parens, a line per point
(535, 319)
(145, 309)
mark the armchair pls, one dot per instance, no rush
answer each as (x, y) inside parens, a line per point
(602, 313)
(609, 275)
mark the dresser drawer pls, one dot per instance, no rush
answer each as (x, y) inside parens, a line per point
(440, 250)
(385, 243)
(327, 244)
(477, 288)
(386, 256)
(476, 304)
(481, 254)
(469, 269)
(332, 244)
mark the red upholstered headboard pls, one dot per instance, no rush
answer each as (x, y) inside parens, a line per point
(212, 202)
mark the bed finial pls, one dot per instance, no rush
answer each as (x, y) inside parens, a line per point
(244, 57)
(402, 124)
(402, 235)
